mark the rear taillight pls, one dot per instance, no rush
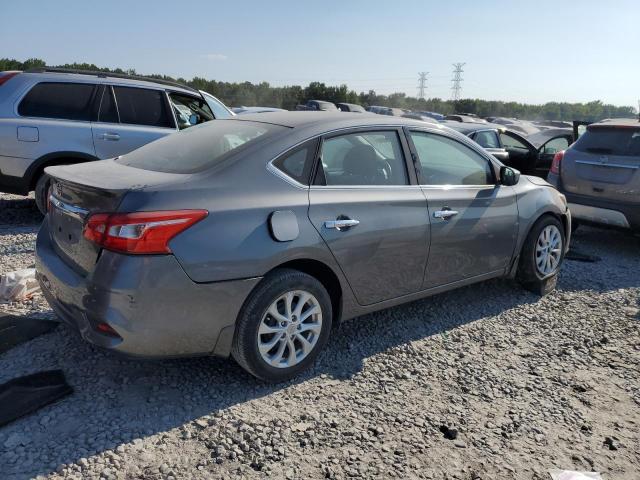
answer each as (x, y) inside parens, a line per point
(139, 232)
(557, 160)
(5, 76)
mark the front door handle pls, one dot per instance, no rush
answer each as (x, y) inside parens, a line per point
(341, 223)
(444, 214)
(114, 137)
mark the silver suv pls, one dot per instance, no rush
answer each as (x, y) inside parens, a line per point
(60, 117)
(600, 174)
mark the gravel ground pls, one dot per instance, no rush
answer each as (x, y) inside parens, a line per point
(487, 382)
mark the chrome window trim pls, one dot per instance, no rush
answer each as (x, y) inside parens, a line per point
(279, 173)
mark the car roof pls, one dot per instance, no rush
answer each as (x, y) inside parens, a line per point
(330, 119)
(106, 78)
(470, 127)
(543, 136)
(617, 122)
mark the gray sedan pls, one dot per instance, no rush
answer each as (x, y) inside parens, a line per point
(253, 236)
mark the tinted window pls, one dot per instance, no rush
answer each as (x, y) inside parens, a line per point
(445, 161)
(70, 101)
(190, 110)
(609, 141)
(199, 147)
(140, 106)
(297, 164)
(368, 158)
(108, 112)
(555, 145)
(487, 139)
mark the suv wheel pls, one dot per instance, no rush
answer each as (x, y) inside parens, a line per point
(283, 326)
(41, 192)
(542, 255)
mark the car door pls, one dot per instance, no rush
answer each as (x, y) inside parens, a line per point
(371, 216)
(130, 117)
(488, 139)
(473, 218)
(522, 155)
(546, 153)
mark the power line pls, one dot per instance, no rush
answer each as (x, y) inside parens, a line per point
(457, 80)
(422, 83)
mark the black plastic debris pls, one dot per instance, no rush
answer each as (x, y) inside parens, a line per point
(16, 330)
(578, 256)
(24, 395)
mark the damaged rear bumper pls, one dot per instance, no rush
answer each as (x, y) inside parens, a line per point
(156, 310)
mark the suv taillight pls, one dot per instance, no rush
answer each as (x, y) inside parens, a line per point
(557, 160)
(139, 232)
(5, 76)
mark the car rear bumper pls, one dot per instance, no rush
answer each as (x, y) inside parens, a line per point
(604, 212)
(156, 310)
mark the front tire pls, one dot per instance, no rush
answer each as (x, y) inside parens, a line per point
(542, 255)
(283, 326)
(41, 191)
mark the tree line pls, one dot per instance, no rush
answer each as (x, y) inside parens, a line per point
(287, 97)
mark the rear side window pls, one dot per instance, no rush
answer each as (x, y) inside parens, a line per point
(69, 101)
(141, 106)
(297, 163)
(199, 148)
(610, 141)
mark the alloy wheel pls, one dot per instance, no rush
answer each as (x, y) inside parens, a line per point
(548, 250)
(290, 329)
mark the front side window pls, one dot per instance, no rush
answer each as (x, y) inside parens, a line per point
(141, 106)
(487, 139)
(219, 110)
(510, 141)
(367, 158)
(445, 161)
(190, 110)
(554, 146)
(199, 148)
(69, 101)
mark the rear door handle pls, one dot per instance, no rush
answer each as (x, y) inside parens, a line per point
(444, 214)
(341, 224)
(110, 136)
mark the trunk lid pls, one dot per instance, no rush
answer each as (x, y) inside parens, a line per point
(604, 163)
(77, 191)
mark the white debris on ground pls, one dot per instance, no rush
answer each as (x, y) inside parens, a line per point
(486, 382)
(18, 285)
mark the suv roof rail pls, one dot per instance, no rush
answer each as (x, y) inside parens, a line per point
(108, 74)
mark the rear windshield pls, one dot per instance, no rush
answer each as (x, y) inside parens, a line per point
(200, 147)
(610, 141)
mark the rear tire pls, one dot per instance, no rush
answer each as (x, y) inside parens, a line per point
(41, 191)
(283, 326)
(542, 255)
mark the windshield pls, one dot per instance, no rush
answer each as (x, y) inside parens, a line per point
(198, 148)
(610, 141)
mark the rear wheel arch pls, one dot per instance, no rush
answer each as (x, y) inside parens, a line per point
(36, 169)
(325, 275)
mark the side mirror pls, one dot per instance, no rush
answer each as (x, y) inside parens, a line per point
(499, 153)
(193, 119)
(509, 176)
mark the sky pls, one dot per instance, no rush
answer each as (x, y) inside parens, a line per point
(533, 51)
